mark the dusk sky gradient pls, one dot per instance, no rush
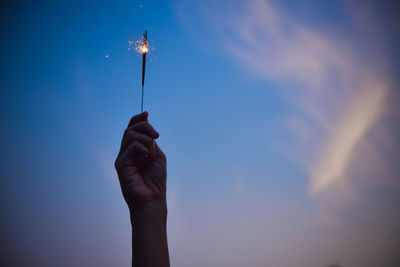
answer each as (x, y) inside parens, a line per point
(279, 119)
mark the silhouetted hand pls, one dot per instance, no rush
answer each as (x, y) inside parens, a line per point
(142, 172)
(141, 165)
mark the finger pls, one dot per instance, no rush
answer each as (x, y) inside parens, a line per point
(137, 118)
(145, 128)
(134, 155)
(130, 136)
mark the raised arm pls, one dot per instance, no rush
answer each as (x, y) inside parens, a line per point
(141, 168)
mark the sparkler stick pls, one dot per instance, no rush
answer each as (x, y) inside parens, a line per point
(144, 52)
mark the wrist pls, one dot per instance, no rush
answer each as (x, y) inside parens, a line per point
(150, 213)
(149, 235)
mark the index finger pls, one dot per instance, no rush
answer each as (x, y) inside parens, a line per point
(138, 118)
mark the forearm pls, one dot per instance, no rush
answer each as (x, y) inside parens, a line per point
(149, 235)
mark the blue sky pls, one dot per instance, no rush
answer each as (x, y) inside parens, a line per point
(279, 122)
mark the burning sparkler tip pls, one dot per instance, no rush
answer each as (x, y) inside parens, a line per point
(144, 52)
(140, 46)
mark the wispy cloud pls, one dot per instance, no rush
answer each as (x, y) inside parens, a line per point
(341, 88)
(339, 148)
(338, 96)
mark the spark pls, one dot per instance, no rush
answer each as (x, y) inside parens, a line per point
(138, 46)
(142, 47)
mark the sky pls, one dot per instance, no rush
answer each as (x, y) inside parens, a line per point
(279, 119)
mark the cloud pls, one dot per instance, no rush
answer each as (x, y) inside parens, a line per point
(341, 88)
(338, 89)
(338, 150)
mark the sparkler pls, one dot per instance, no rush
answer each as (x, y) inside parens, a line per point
(142, 47)
(144, 51)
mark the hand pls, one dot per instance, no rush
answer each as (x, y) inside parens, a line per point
(140, 164)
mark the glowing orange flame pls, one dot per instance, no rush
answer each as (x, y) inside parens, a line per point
(138, 46)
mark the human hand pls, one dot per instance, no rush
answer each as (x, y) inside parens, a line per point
(140, 164)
